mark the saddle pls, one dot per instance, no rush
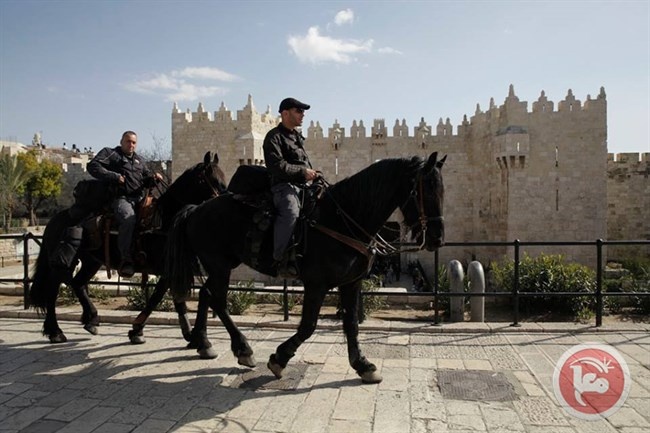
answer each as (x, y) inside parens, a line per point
(251, 186)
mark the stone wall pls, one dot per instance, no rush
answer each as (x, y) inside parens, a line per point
(511, 173)
(628, 202)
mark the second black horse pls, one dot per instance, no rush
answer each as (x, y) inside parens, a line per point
(198, 183)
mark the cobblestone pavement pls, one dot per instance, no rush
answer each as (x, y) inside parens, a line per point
(104, 384)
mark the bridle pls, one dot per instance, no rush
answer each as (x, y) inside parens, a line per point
(377, 244)
(417, 195)
(204, 179)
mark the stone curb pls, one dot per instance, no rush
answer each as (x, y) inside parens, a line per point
(276, 322)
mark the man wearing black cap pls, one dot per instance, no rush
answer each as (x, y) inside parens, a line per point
(290, 169)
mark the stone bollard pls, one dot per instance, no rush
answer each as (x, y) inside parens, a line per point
(456, 277)
(477, 283)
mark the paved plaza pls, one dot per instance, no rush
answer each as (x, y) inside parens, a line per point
(104, 384)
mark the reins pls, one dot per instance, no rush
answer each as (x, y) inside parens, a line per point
(377, 244)
(203, 178)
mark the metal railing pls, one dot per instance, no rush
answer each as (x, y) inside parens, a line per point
(516, 294)
(434, 294)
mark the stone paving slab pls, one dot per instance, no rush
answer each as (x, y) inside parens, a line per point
(104, 384)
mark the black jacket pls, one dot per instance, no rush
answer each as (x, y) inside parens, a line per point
(285, 155)
(110, 163)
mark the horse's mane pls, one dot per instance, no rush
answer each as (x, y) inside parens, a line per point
(177, 192)
(182, 179)
(376, 184)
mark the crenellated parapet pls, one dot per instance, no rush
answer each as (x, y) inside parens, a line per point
(630, 159)
(512, 113)
(223, 118)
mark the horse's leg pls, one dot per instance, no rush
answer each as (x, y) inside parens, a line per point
(51, 327)
(218, 287)
(350, 295)
(199, 336)
(79, 285)
(314, 297)
(183, 319)
(136, 335)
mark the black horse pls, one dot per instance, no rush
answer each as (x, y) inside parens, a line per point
(336, 250)
(197, 184)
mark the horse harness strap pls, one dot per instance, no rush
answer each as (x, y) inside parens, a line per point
(379, 245)
(107, 254)
(206, 180)
(367, 250)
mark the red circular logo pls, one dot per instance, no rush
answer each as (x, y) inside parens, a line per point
(591, 381)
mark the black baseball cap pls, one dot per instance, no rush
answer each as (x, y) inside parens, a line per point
(289, 103)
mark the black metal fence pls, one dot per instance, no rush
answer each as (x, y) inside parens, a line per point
(434, 294)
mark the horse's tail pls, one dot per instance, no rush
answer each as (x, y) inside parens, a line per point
(180, 260)
(45, 280)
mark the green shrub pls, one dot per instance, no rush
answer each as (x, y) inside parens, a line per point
(636, 279)
(138, 296)
(641, 283)
(372, 303)
(68, 297)
(639, 267)
(98, 293)
(238, 302)
(549, 274)
(292, 300)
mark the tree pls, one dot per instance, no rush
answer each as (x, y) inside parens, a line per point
(44, 182)
(12, 178)
(159, 153)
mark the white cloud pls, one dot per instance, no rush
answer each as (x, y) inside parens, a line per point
(316, 48)
(186, 84)
(190, 92)
(205, 73)
(388, 50)
(344, 17)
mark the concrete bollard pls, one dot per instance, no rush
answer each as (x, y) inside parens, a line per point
(477, 283)
(456, 277)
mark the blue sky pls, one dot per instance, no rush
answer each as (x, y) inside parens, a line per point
(84, 71)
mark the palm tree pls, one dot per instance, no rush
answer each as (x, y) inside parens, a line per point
(12, 179)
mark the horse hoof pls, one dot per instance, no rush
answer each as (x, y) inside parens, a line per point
(371, 377)
(91, 328)
(136, 338)
(208, 353)
(275, 368)
(58, 338)
(246, 360)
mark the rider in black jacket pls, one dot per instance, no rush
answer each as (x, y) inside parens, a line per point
(122, 166)
(289, 166)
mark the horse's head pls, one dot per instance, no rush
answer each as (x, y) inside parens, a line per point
(423, 209)
(198, 183)
(211, 177)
